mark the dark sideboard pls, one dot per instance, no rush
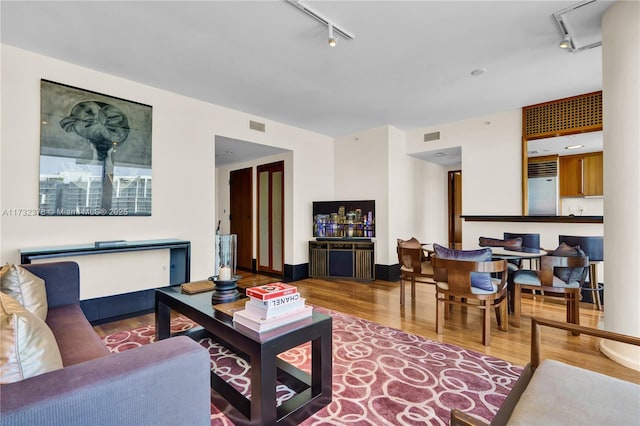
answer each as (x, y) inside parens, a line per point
(342, 259)
(104, 309)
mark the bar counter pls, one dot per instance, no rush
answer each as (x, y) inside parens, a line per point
(543, 219)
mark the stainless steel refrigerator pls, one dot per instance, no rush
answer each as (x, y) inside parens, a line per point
(543, 196)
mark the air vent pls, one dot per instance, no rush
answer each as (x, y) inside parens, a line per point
(543, 169)
(254, 125)
(434, 136)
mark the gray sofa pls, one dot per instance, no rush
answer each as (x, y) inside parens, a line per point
(164, 383)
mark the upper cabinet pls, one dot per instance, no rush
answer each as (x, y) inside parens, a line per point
(581, 175)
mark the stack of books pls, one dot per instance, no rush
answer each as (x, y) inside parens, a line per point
(271, 306)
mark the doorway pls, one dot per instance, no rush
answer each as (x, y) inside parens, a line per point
(271, 218)
(455, 208)
(241, 215)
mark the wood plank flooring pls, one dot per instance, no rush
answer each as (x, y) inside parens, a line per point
(379, 301)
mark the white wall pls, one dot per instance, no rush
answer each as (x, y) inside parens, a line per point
(410, 194)
(491, 178)
(432, 189)
(361, 173)
(417, 196)
(405, 203)
(184, 178)
(491, 156)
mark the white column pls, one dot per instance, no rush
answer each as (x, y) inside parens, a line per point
(621, 122)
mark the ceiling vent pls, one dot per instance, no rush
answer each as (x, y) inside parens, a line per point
(543, 169)
(254, 125)
(434, 136)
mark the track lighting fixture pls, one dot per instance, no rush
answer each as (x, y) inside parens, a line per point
(333, 28)
(332, 39)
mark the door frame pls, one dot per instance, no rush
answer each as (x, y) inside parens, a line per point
(454, 191)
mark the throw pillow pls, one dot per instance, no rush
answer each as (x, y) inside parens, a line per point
(568, 274)
(481, 280)
(511, 243)
(28, 346)
(28, 289)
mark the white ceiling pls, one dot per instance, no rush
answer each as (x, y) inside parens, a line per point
(590, 141)
(231, 151)
(409, 65)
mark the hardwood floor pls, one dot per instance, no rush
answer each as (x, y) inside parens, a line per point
(379, 301)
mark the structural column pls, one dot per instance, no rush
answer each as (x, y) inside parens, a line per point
(621, 123)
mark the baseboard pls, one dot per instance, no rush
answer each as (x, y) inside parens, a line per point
(388, 272)
(118, 306)
(296, 272)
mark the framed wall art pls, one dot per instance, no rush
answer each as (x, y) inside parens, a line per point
(95, 153)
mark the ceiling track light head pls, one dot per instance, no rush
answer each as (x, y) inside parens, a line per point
(566, 43)
(332, 39)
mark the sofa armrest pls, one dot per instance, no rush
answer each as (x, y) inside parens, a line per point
(167, 382)
(61, 280)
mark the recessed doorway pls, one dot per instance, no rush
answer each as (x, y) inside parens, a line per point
(241, 215)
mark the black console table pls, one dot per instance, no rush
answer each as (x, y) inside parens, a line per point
(103, 309)
(342, 259)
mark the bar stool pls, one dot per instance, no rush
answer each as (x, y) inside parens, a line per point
(594, 248)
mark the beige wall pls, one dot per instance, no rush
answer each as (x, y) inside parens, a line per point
(184, 178)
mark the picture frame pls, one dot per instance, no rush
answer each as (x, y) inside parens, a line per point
(95, 153)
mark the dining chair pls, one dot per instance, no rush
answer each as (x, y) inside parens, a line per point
(592, 246)
(513, 264)
(528, 241)
(558, 276)
(414, 266)
(457, 283)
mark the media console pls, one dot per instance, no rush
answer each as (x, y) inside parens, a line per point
(342, 258)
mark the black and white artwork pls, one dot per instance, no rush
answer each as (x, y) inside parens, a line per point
(95, 154)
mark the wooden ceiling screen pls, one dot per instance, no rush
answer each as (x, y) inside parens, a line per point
(566, 116)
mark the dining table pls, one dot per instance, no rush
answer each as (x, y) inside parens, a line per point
(521, 253)
(533, 255)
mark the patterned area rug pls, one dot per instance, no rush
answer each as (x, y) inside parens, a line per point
(381, 375)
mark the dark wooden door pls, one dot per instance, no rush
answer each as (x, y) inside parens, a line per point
(241, 214)
(271, 218)
(455, 209)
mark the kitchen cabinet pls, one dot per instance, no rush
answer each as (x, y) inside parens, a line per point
(581, 175)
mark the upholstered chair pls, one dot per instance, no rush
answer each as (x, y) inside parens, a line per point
(592, 246)
(512, 264)
(470, 278)
(561, 274)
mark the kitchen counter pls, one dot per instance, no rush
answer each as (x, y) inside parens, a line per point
(544, 219)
